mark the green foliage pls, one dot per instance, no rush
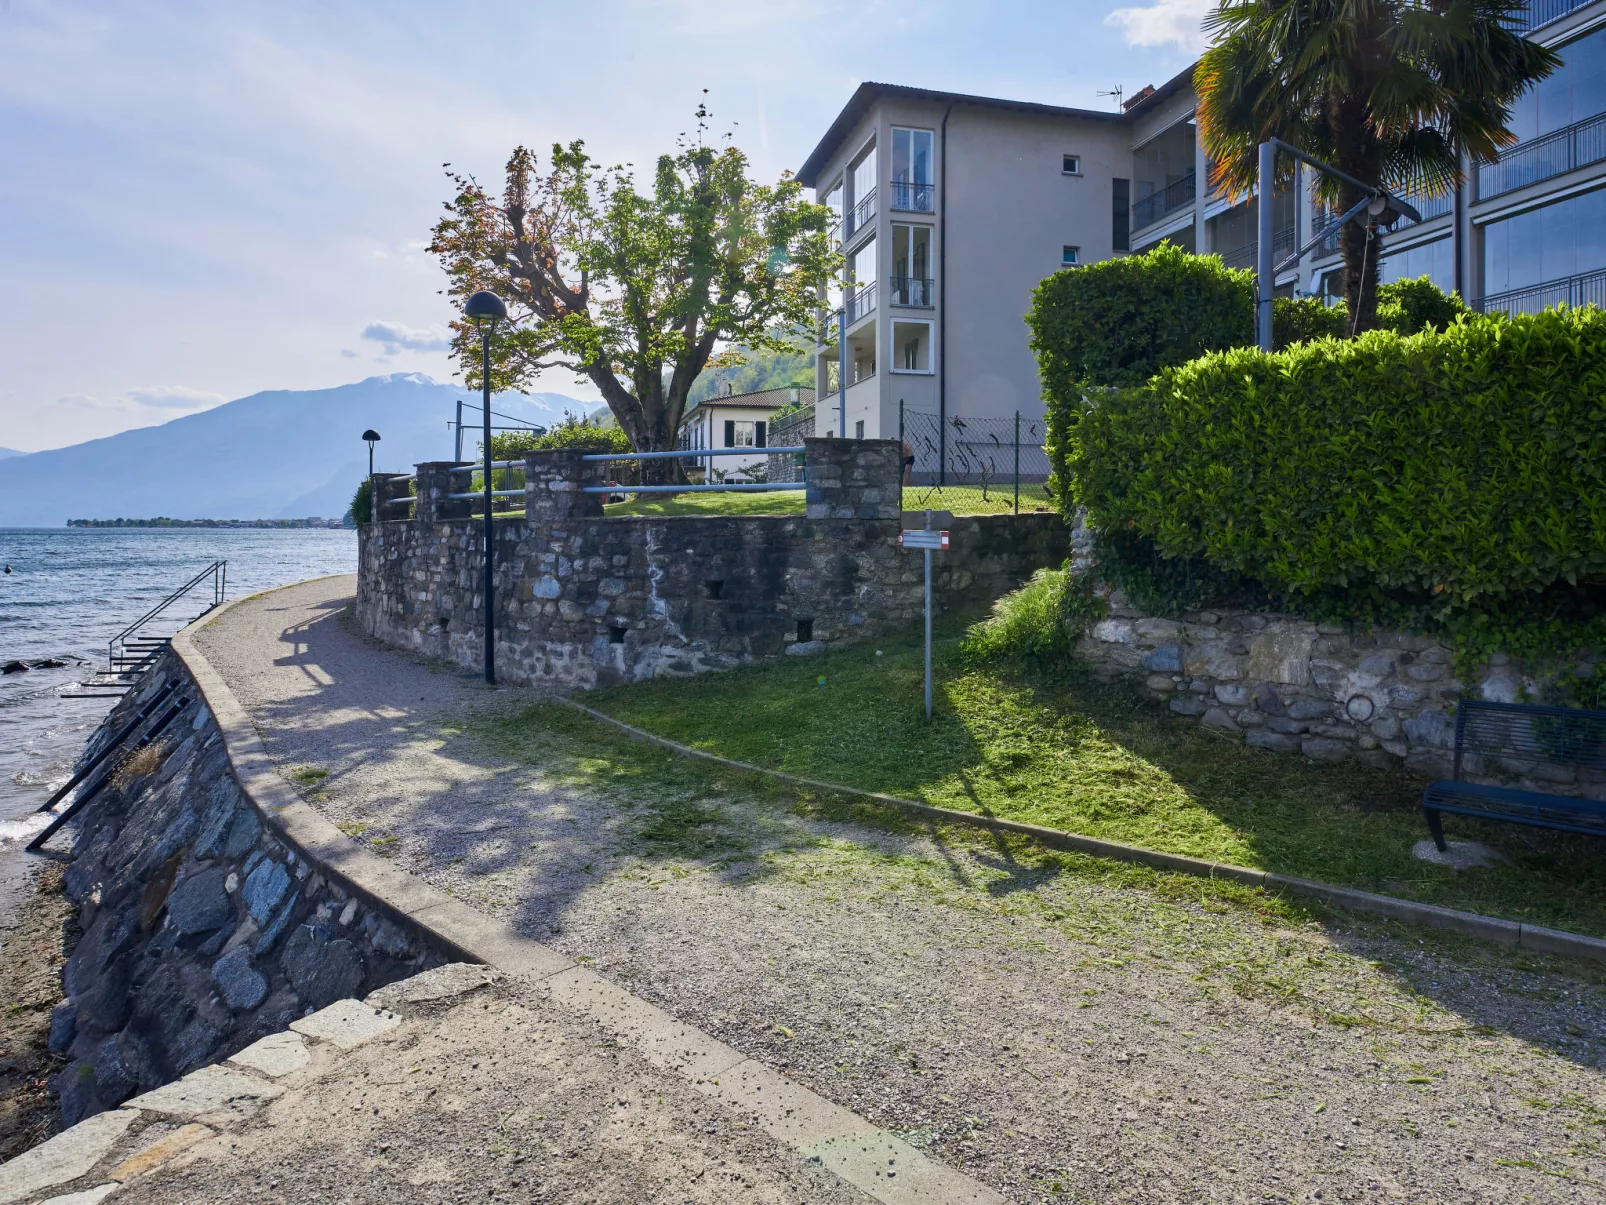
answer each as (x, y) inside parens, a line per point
(362, 503)
(1449, 479)
(1303, 319)
(572, 432)
(749, 371)
(1041, 619)
(1409, 306)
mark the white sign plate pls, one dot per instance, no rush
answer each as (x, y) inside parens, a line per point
(923, 539)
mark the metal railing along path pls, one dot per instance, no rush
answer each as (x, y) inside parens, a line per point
(130, 648)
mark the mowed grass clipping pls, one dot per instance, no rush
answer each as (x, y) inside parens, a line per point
(1048, 745)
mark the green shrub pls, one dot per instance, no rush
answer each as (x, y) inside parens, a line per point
(1409, 306)
(1304, 319)
(362, 503)
(1041, 619)
(1458, 470)
(572, 432)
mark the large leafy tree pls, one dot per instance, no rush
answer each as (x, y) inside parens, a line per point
(1390, 91)
(636, 291)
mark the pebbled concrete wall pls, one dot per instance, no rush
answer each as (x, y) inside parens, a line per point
(203, 929)
(583, 600)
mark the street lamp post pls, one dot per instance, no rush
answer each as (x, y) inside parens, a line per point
(486, 310)
(370, 437)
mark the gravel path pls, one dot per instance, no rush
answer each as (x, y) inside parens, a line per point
(1064, 1029)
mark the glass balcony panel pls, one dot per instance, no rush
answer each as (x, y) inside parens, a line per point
(913, 198)
(911, 291)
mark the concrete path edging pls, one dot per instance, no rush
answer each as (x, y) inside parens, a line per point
(1513, 934)
(870, 1159)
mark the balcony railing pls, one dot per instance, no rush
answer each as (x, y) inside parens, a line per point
(860, 301)
(862, 214)
(913, 198)
(1543, 12)
(1586, 289)
(912, 291)
(1579, 144)
(1150, 209)
(1430, 207)
(1282, 246)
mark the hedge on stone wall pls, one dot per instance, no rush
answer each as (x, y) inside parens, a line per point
(1462, 468)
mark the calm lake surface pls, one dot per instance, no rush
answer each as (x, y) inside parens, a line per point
(69, 591)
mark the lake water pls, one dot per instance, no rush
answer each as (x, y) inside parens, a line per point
(69, 591)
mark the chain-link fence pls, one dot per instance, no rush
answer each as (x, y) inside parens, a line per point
(974, 465)
(789, 429)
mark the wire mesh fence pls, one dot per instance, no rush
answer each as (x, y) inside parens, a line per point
(788, 430)
(974, 465)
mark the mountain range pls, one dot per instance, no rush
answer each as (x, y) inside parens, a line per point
(281, 454)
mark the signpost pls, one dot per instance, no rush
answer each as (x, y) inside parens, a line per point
(928, 541)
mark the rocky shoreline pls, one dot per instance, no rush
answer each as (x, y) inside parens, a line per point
(33, 950)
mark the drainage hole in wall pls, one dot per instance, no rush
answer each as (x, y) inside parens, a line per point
(617, 636)
(715, 589)
(443, 621)
(805, 630)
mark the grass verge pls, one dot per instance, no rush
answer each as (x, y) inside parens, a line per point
(1048, 745)
(960, 499)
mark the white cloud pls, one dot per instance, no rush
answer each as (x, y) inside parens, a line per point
(1164, 22)
(397, 335)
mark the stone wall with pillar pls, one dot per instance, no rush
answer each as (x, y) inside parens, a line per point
(583, 599)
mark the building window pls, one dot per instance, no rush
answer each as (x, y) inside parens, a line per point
(1071, 165)
(911, 170)
(742, 435)
(1435, 260)
(1551, 243)
(911, 347)
(858, 429)
(911, 266)
(1574, 92)
(1071, 256)
(1121, 215)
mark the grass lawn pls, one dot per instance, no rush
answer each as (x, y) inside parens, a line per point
(1051, 746)
(960, 499)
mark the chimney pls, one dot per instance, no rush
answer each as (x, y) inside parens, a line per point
(792, 394)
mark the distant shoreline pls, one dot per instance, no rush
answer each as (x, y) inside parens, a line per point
(335, 524)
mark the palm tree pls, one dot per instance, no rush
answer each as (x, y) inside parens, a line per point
(1391, 91)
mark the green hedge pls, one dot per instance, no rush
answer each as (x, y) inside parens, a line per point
(1459, 467)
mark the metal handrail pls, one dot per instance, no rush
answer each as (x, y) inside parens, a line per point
(913, 291)
(912, 198)
(1587, 288)
(1553, 154)
(862, 212)
(1543, 12)
(481, 494)
(1244, 257)
(1162, 201)
(691, 489)
(218, 570)
(688, 454)
(861, 302)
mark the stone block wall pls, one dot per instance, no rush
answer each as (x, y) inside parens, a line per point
(1277, 682)
(583, 600)
(202, 930)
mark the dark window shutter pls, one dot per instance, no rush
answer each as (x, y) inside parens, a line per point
(1121, 216)
(730, 433)
(759, 435)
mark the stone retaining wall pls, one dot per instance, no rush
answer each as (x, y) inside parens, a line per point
(584, 600)
(202, 929)
(1278, 682)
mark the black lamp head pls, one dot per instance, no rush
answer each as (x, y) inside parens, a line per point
(371, 436)
(484, 307)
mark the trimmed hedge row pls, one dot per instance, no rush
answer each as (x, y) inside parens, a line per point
(1460, 466)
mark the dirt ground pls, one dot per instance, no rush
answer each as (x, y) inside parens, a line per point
(1062, 1028)
(32, 954)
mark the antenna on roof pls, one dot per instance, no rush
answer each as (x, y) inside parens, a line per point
(1115, 92)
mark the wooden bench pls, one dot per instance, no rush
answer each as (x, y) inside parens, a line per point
(1520, 738)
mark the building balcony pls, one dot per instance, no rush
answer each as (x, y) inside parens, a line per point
(1282, 246)
(913, 198)
(861, 215)
(1150, 209)
(1586, 289)
(860, 302)
(912, 291)
(1555, 154)
(1543, 12)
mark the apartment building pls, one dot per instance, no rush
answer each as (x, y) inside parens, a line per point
(952, 208)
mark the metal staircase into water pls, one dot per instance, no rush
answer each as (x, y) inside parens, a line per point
(136, 647)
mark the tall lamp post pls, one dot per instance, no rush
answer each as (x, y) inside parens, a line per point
(485, 309)
(370, 437)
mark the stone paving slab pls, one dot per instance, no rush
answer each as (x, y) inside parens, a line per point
(275, 1055)
(347, 1023)
(441, 983)
(90, 1196)
(211, 1090)
(64, 1158)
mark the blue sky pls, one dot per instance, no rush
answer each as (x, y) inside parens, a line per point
(203, 200)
